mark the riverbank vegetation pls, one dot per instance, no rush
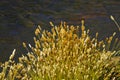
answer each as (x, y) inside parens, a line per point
(66, 52)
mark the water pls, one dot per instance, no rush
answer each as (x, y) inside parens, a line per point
(18, 19)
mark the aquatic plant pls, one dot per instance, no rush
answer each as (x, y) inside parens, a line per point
(66, 52)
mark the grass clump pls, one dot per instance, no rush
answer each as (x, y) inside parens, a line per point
(64, 54)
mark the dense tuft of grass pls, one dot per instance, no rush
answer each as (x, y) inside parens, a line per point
(68, 53)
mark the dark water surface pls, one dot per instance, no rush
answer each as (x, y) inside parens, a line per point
(18, 19)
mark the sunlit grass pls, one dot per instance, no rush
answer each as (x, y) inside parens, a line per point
(113, 19)
(68, 53)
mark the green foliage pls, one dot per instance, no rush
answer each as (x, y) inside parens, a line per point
(65, 54)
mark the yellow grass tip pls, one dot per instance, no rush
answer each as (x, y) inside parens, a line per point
(112, 18)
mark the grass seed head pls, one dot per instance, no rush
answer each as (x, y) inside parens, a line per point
(12, 55)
